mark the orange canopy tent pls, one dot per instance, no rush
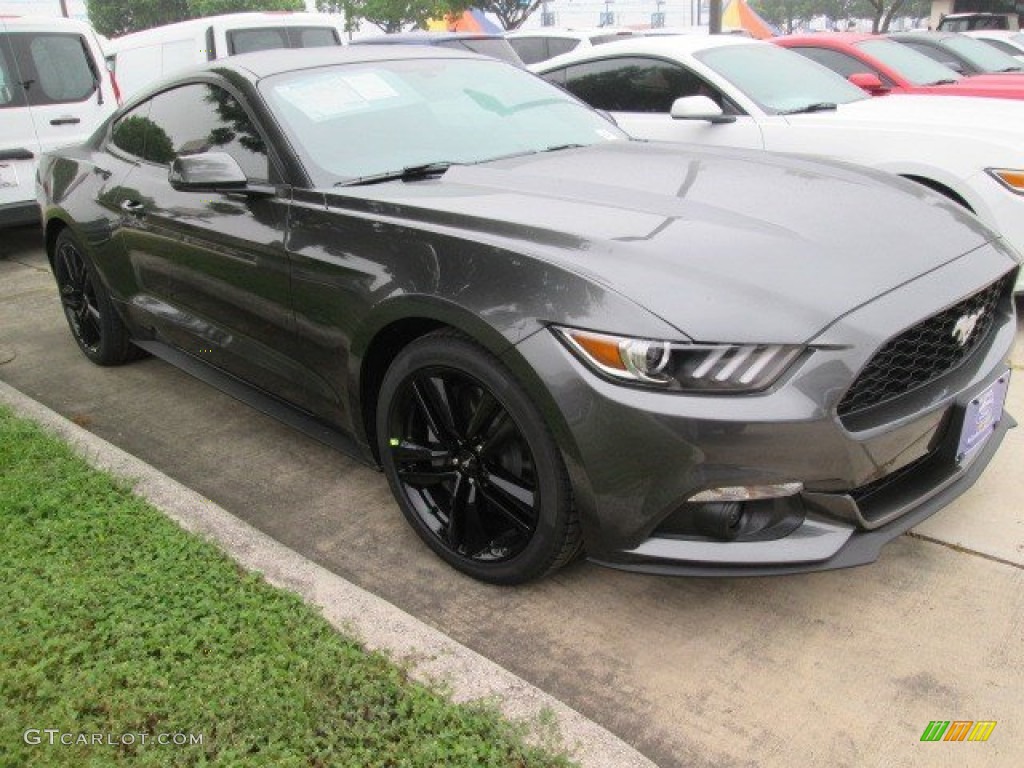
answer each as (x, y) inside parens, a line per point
(738, 15)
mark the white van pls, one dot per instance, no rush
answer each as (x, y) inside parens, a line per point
(142, 57)
(54, 90)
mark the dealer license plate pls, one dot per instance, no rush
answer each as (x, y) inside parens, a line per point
(8, 175)
(983, 414)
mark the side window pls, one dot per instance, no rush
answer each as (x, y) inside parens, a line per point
(530, 49)
(248, 40)
(638, 85)
(131, 131)
(838, 62)
(56, 68)
(559, 45)
(11, 92)
(312, 37)
(202, 118)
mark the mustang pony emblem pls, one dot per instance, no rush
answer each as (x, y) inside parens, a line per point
(965, 327)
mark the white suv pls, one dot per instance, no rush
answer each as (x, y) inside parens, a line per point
(54, 90)
(534, 45)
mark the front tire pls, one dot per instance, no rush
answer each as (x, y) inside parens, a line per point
(94, 323)
(472, 464)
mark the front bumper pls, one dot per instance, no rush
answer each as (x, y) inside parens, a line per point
(635, 456)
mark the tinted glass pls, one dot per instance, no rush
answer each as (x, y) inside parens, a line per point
(636, 84)
(56, 67)
(779, 80)
(203, 118)
(131, 130)
(495, 47)
(11, 92)
(841, 63)
(357, 120)
(936, 54)
(984, 57)
(530, 49)
(559, 45)
(911, 64)
(1001, 45)
(270, 38)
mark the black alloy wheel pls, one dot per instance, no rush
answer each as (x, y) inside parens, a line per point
(477, 474)
(95, 324)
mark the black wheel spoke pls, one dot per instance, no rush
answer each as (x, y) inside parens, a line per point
(426, 477)
(484, 413)
(408, 452)
(435, 405)
(512, 501)
(463, 495)
(499, 429)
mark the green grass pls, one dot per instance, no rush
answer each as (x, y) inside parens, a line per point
(115, 621)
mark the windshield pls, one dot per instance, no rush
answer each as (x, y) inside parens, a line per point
(982, 55)
(357, 120)
(779, 80)
(911, 64)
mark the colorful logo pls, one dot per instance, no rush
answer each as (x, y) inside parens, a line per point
(958, 730)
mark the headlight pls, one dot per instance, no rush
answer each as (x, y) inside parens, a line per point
(1012, 180)
(682, 367)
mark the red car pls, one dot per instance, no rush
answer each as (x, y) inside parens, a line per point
(881, 66)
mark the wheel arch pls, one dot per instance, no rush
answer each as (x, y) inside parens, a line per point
(394, 325)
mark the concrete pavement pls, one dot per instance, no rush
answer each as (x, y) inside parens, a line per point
(843, 668)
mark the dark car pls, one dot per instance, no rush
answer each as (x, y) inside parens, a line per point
(963, 54)
(547, 335)
(495, 46)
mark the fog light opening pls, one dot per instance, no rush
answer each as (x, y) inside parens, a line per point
(719, 521)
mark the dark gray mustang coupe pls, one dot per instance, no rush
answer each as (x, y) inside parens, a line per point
(549, 336)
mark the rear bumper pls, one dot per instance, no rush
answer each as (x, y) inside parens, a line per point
(19, 214)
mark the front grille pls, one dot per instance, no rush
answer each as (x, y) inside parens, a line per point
(924, 352)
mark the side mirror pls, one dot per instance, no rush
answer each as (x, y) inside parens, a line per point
(207, 172)
(699, 108)
(869, 82)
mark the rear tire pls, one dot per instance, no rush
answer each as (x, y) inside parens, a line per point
(92, 318)
(472, 464)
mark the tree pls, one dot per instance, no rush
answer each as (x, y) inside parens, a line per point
(511, 13)
(393, 15)
(114, 18)
(786, 13)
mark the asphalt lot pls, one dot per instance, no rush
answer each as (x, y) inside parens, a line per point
(844, 668)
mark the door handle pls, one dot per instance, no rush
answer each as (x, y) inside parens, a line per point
(132, 207)
(66, 120)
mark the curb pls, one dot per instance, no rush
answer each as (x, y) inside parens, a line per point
(430, 656)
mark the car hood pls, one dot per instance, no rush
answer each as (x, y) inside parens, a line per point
(724, 244)
(978, 119)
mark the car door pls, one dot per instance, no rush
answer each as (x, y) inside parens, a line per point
(639, 91)
(18, 142)
(68, 91)
(211, 268)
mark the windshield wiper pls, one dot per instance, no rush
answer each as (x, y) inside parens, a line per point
(409, 173)
(950, 81)
(560, 147)
(818, 106)
(1012, 69)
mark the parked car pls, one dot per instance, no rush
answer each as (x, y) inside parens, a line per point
(535, 45)
(745, 93)
(963, 22)
(960, 53)
(881, 66)
(484, 43)
(1007, 41)
(54, 90)
(141, 58)
(547, 335)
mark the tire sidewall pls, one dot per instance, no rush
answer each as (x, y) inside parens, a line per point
(106, 352)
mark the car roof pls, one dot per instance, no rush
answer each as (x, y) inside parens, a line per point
(261, 64)
(922, 34)
(838, 37)
(44, 22)
(424, 36)
(665, 45)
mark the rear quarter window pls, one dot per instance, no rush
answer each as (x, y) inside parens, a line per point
(11, 93)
